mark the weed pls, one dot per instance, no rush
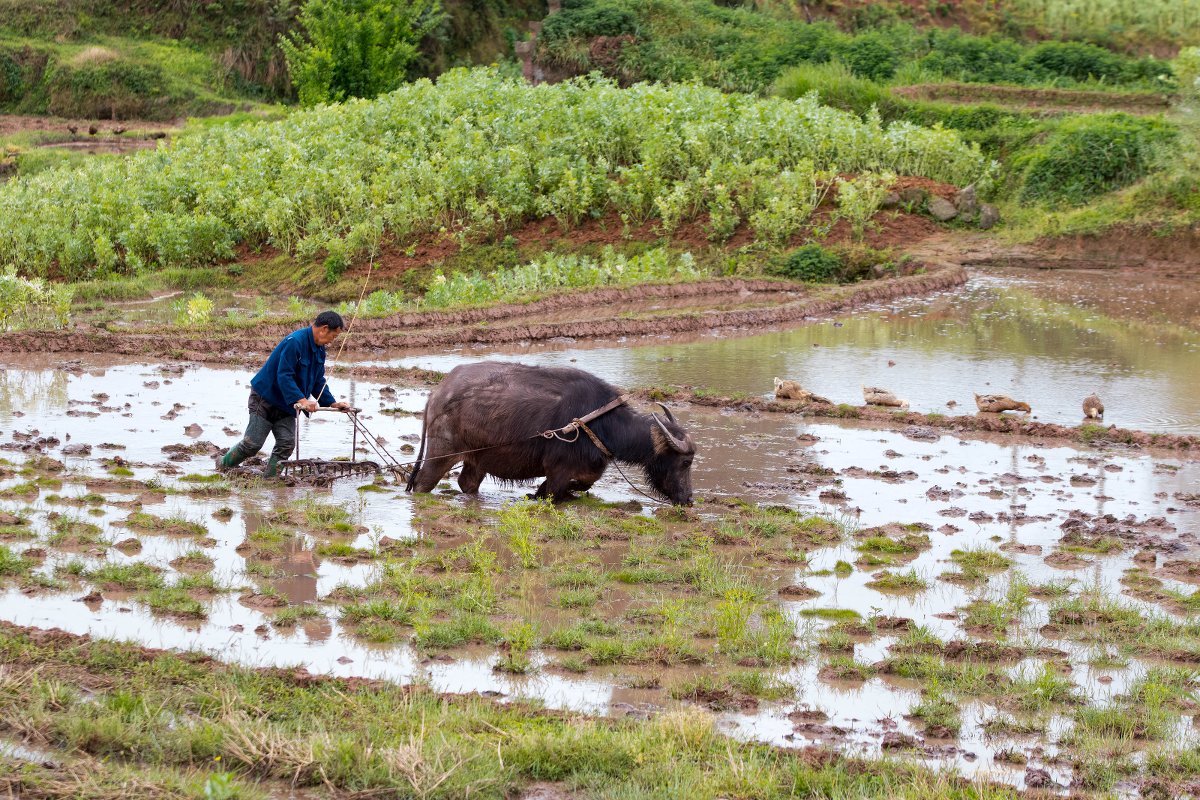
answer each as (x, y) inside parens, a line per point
(462, 629)
(292, 615)
(980, 558)
(515, 646)
(577, 598)
(135, 576)
(902, 582)
(845, 668)
(516, 523)
(13, 564)
(939, 714)
(175, 602)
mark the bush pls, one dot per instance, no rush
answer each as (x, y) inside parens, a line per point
(836, 86)
(355, 48)
(1074, 60)
(872, 56)
(110, 88)
(974, 58)
(1088, 156)
(589, 19)
(32, 303)
(12, 84)
(811, 263)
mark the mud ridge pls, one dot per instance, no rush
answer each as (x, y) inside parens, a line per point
(922, 423)
(469, 326)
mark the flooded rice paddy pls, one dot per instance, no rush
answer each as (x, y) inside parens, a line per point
(1049, 338)
(1022, 611)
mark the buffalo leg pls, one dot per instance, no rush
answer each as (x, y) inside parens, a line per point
(471, 476)
(433, 469)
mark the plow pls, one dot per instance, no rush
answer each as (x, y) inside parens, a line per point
(323, 472)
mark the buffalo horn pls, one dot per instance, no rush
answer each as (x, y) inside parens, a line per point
(667, 411)
(676, 445)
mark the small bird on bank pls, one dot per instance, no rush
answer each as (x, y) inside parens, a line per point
(792, 390)
(93, 130)
(876, 396)
(996, 403)
(1092, 407)
(951, 403)
(118, 130)
(73, 129)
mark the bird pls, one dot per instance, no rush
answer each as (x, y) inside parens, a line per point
(882, 397)
(1000, 402)
(118, 130)
(1092, 407)
(792, 390)
(951, 403)
(73, 129)
(93, 130)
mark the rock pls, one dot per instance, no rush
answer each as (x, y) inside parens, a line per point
(890, 200)
(193, 430)
(966, 201)
(942, 209)
(913, 196)
(989, 215)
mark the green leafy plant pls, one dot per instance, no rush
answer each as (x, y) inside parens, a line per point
(858, 199)
(355, 48)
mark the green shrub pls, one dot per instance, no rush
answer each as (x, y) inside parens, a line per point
(1075, 60)
(32, 302)
(811, 263)
(12, 83)
(836, 86)
(1089, 156)
(588, 19)
(355, 48)
(106, 86)
(963, 57)
(872, 56)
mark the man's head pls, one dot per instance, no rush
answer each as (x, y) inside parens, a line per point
(326, 327)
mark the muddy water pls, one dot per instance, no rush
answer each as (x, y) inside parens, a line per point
(971, 493)
(1049, 338)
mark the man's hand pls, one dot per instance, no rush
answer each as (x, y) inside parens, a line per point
(340, 405)
(307, 405)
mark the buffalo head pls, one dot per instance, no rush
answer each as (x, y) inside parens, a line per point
(669, 468)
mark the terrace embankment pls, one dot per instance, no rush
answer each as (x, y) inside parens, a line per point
(630, 312)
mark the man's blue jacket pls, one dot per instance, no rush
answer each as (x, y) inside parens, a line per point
(295, 370)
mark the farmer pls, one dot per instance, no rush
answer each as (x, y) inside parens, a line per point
(294, 372)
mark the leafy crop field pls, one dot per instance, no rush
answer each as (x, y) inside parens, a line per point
(1168, 19)
(472, 154)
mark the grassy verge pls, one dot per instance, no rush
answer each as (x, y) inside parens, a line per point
(170, 717)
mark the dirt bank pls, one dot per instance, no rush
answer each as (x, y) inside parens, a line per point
(517, 322)
(1129, 247)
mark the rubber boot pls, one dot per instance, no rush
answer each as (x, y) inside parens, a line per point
(272, 469)
(229, 460)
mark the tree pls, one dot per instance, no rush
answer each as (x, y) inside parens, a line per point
(355, 48)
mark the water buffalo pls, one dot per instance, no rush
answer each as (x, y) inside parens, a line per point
(498, 409)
